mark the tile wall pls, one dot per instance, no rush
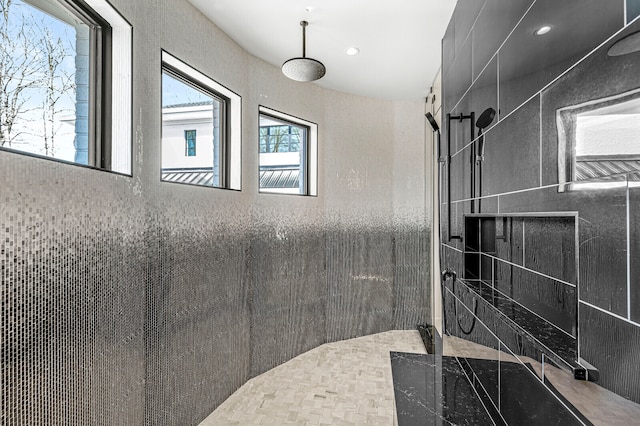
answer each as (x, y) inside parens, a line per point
(578, 268)
(130, 301)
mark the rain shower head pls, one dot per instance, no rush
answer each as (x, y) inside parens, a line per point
(433, 122)
(485, 118)
(303, 69)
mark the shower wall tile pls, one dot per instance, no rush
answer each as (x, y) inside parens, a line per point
(611, 345)
(634, 247)
(448, 47)
(530, 80)
(462, 131)
(459, 77)
(512, 149)
(496, 20)
(465, 15)
(601, 238)
(452, 259)
(550, 247)
(510, 245)
(359, 282)
(71, 272)
(412, 220)
(522, 75)
(460, 165)
(484, 92)
(130, 301)
(411, 247)
(597, 78)
(552, 300)
(288, 296)
(487, 205)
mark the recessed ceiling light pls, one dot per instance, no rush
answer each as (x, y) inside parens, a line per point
(352, 51)
(542, 30)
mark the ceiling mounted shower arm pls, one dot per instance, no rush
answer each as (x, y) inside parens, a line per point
(302, 68)
(304, 38)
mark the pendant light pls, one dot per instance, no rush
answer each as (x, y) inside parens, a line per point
(303, 69)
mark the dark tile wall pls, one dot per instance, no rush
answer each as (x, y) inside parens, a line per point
(528, 79)
(131, 301)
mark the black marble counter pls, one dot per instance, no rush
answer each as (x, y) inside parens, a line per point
(435, 390)
(557, 345)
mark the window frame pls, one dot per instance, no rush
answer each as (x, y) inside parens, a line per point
(566, 124)
(110, 55)
(230, 146)
(308, 151)
(187, 139)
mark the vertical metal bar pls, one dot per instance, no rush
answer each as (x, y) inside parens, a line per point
(304, 38)
(448, 177)
(472, 154)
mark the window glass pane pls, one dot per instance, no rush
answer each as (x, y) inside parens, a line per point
(44, 81)
(191, 133)
(598, 144)
(282, 156)
(190, 143)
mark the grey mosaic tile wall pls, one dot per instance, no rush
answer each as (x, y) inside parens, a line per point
(127, 301)
(580, 274)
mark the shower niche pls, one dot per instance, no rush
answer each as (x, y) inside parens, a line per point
(523, 268)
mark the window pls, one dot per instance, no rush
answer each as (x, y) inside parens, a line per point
(288, 154)
(196, 107)
(58, 63)
(598, 144)
(190, 143)
(281, 138)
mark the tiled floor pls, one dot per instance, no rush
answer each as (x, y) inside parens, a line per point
(350, 383)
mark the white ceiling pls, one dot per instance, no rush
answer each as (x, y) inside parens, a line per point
(399, 41)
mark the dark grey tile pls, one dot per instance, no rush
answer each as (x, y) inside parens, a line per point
(412, 298)
(602, 238)
(512, 152)
(522, 75)
(452, 260)
(496, 20)
(550, 246)
(484, 92)
(634, 247)
(509, 244)
(461, 175)
(448, 47)
(360, 288)
(462, 131)
(487, 205)
(520, 329)
(458, 80)
(552, 300)
(465, 15)
(597, 78)
(604, 338)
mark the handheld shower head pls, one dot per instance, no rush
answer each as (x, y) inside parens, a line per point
(485, 118)
(483, 122)
(433, 122)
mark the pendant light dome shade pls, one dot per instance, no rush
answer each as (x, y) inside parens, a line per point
(303, 69)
